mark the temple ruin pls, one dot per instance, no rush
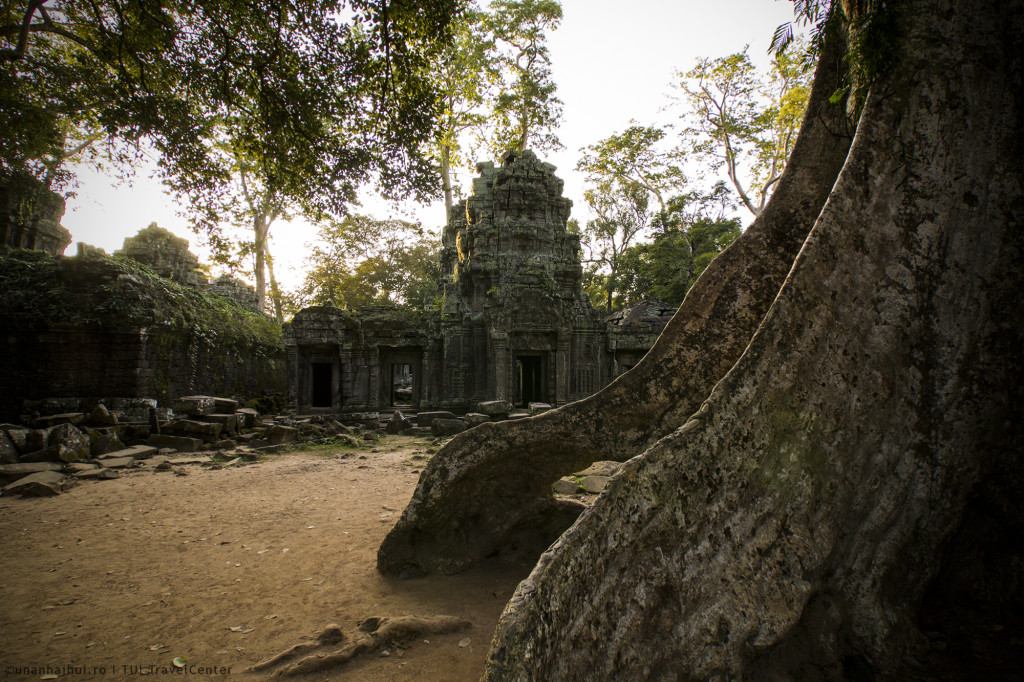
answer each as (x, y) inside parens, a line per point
(515, 324)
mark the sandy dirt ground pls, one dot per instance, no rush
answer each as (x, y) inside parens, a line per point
(112, 580)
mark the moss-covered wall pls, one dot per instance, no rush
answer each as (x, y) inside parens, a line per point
(99, 326)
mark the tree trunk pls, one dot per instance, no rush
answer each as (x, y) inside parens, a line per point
(446, 178)
(490, 487)
(275, 291)
(864, 453)
(259, 228)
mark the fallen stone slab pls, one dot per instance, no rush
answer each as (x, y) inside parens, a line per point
(117, 462)
(25, 468)
(368, 420)
(279, 435)
(474, 418)
(100, 416)
(42, 484)
(208, 431)
(195, 459)
(594, 484)
(56, 419)
(49, 453)
(19, 438)
(565, 486)
(225, 405)
(427, 418)
(195, 405)
(398, 423)
(538, 408)
(602, 468)
(447, 427)
(101, 474)
(258, 443)
(228, 422)
(226, 444)
(179, 443)
(494, 408)
(79, 467)
(134, 452)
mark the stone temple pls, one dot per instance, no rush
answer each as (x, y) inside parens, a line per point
(515, 323)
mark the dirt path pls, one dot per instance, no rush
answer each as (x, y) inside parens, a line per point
(114, 579)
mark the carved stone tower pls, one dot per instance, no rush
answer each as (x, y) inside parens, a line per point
(517, 325)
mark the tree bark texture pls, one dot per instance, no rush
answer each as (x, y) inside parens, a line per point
(792, 527)
(489, 488)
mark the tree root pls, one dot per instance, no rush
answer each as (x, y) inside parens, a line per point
(373, 634)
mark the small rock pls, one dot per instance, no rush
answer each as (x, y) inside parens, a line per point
(494, 408)
(565, 486)
(538, 408)
(100, 416)
(601, 468)
(447, 427)
(474, 418)
(278, 435)
(594, 484)
(117, 462)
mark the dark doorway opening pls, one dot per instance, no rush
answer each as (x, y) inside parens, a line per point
(529, 379)
(401, 385)
(322, 388)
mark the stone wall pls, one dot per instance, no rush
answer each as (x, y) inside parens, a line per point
(97, 326)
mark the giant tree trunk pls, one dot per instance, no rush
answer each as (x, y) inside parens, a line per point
(868, 444)
(490, 487)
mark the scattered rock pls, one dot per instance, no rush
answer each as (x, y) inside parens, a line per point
(118, 462)
(78, 467)
(594, 484)
(494, 408)
(278, 435)
(179, 443)
(134, 452)
(228, 422)
(208, 431)
(26, 468)
(248, 417)
(196, 459)
(72, 445)
(225, 405)
(474, 418)
(19, 438)
(565, 486)
(195, 405)
(103, 443)
(100, 416)
(538, 408)
(101, 474)
(447, 427)
(427, 418)
(398, 423)
(603, 468)
(8, 453)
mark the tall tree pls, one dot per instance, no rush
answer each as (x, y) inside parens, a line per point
(740, 121)
(526, 110)
(465, 79)
(621, 217)
(361, 260)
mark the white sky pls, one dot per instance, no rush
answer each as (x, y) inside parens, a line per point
(610, 66)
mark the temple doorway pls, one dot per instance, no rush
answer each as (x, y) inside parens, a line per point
(322, 384)
(529, 380)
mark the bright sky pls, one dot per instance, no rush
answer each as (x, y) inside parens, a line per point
(610, 66)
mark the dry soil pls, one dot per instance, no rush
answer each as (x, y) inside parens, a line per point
(112, 580)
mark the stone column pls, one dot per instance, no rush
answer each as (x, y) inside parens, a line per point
(499, 341)
(562, 368)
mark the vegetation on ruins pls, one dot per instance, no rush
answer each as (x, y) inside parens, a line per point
(361, 261)
(46, 291)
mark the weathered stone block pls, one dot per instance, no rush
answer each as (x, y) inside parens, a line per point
(565, 486)
(427, 418)
(100, 416)
(100, 474)
(55, 419)
(118, 462)
(594, 484)
(229, 422)
(278, 435)
(248, 417)
(19, 438)
(447, 427)
(538, 408)
(179, 443)
(494, 408)
(195, 405)
(25, 468)
(135, 452)
(208, 431)
(474, 418)
(41, 484)
(72, 445)
(8, 453)
(398, 423)
(102, 443)
(224, 405)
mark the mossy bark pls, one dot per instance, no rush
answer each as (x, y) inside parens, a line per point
(489, 489)
(792, 528)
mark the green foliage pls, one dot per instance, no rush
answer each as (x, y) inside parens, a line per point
(364, 261)
(526, 110)
(742, 123)
(321, 96)
(44, 291)
(665, 268)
